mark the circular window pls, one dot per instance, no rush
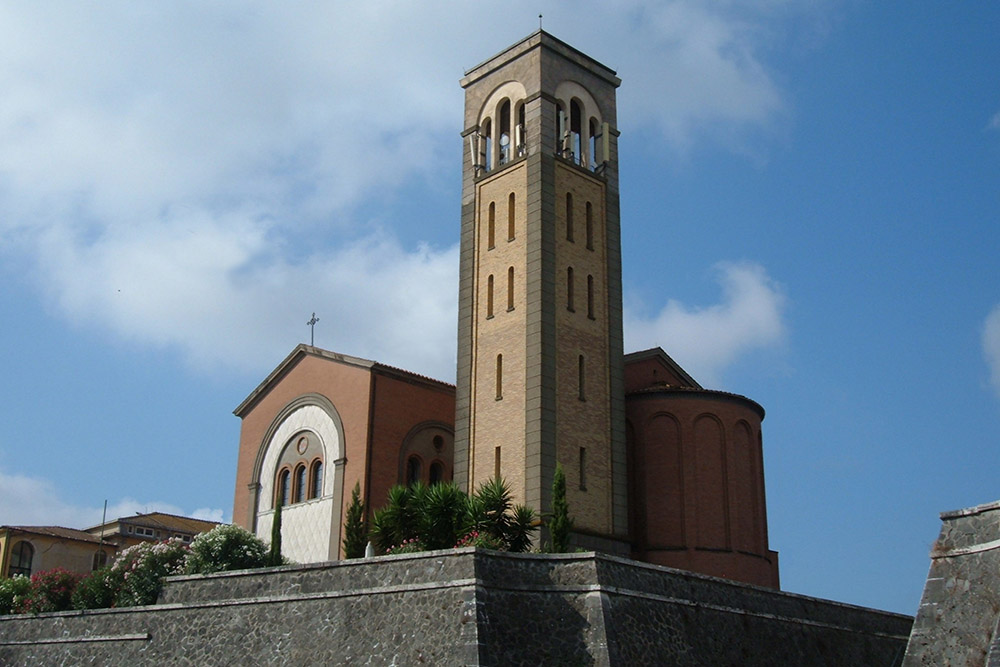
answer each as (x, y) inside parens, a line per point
(302, 445)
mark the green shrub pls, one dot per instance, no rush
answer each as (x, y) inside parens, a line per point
(13, 591)
(355, 526)
(98, 589)
(226, 547)
(560, 524)
(51, 590)
(142, 568)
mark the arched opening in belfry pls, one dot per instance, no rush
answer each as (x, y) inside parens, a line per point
(576, 130)
(504, 133)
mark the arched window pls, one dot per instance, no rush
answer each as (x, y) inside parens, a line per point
(590, 297)
(499, 376)
(582, 375)
(100, 559)
(576, 129)
(504, 128)
(491, 227)
(316, 480)
(562, 139)
(569, 216)
(284, 487)
(486, 139)
(20, 559)
(489, 296)
(510, 217)
(437, 472)
(300, 483)
(510, 288)
(592, 143)
(519, 139)
(590, 226)
(413, 470)
(569, 288)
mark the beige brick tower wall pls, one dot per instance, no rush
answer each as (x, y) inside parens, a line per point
(541, 417)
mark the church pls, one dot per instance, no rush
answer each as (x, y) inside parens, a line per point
(659, 469)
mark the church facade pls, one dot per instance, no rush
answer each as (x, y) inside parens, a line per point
(658, 468)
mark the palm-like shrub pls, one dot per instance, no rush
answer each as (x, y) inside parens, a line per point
(441, 516)
(226, 547)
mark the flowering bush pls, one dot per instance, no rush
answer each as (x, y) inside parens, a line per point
(409, 546)
(98, 589)
(51, 590)
(483, 540)
(226, 547)
(12, 592)
(142, 568)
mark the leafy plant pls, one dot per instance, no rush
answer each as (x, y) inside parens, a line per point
(560, 524)
(98, 589)
(226, 547)
(142, 568)
(12, 593)
(274, 553)
(51, 590)
(355, 526)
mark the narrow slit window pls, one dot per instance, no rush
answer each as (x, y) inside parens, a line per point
(284, 487)
(569, 216)
(316, 481)
(496, 463)
(491, 227)
(510, 217)
(569, 289)
(590, 297)
(499, 375)
(489, 296)
(510, 288)
(581, 370)
(583, 468)
(590, 226)
(300, 484)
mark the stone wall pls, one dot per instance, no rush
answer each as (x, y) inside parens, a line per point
(463, 607)
(959, 612)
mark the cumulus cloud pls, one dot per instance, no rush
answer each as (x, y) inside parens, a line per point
(194, 175)
(991, 347)
(706, 340)
(48, 509)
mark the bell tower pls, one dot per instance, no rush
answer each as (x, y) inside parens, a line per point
(540, 360)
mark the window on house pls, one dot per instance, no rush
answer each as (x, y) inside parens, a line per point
(300, 483)
(489, 296)
(499, 375)
(436, 472)
(316, 480)
(413, 470)
(569, 288)
(20, 559)
(510, 288)
(284, 487)
(590, 226)
(590, 297)
(100, 559)
(510, 217)
(569, 216)
(491, 227)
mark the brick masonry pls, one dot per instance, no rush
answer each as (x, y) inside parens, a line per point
(463, 607)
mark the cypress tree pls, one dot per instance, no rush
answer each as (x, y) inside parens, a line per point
(560, 524)
(355, 528)
(274, 555)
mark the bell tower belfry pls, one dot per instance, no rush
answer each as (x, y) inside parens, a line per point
(540, 360)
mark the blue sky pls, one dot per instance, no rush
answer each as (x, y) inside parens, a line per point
(810, 202)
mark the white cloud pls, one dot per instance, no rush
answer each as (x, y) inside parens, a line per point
(46, 508)
(193, 175)
(991, 346)
(994, 123)
(706, 340)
